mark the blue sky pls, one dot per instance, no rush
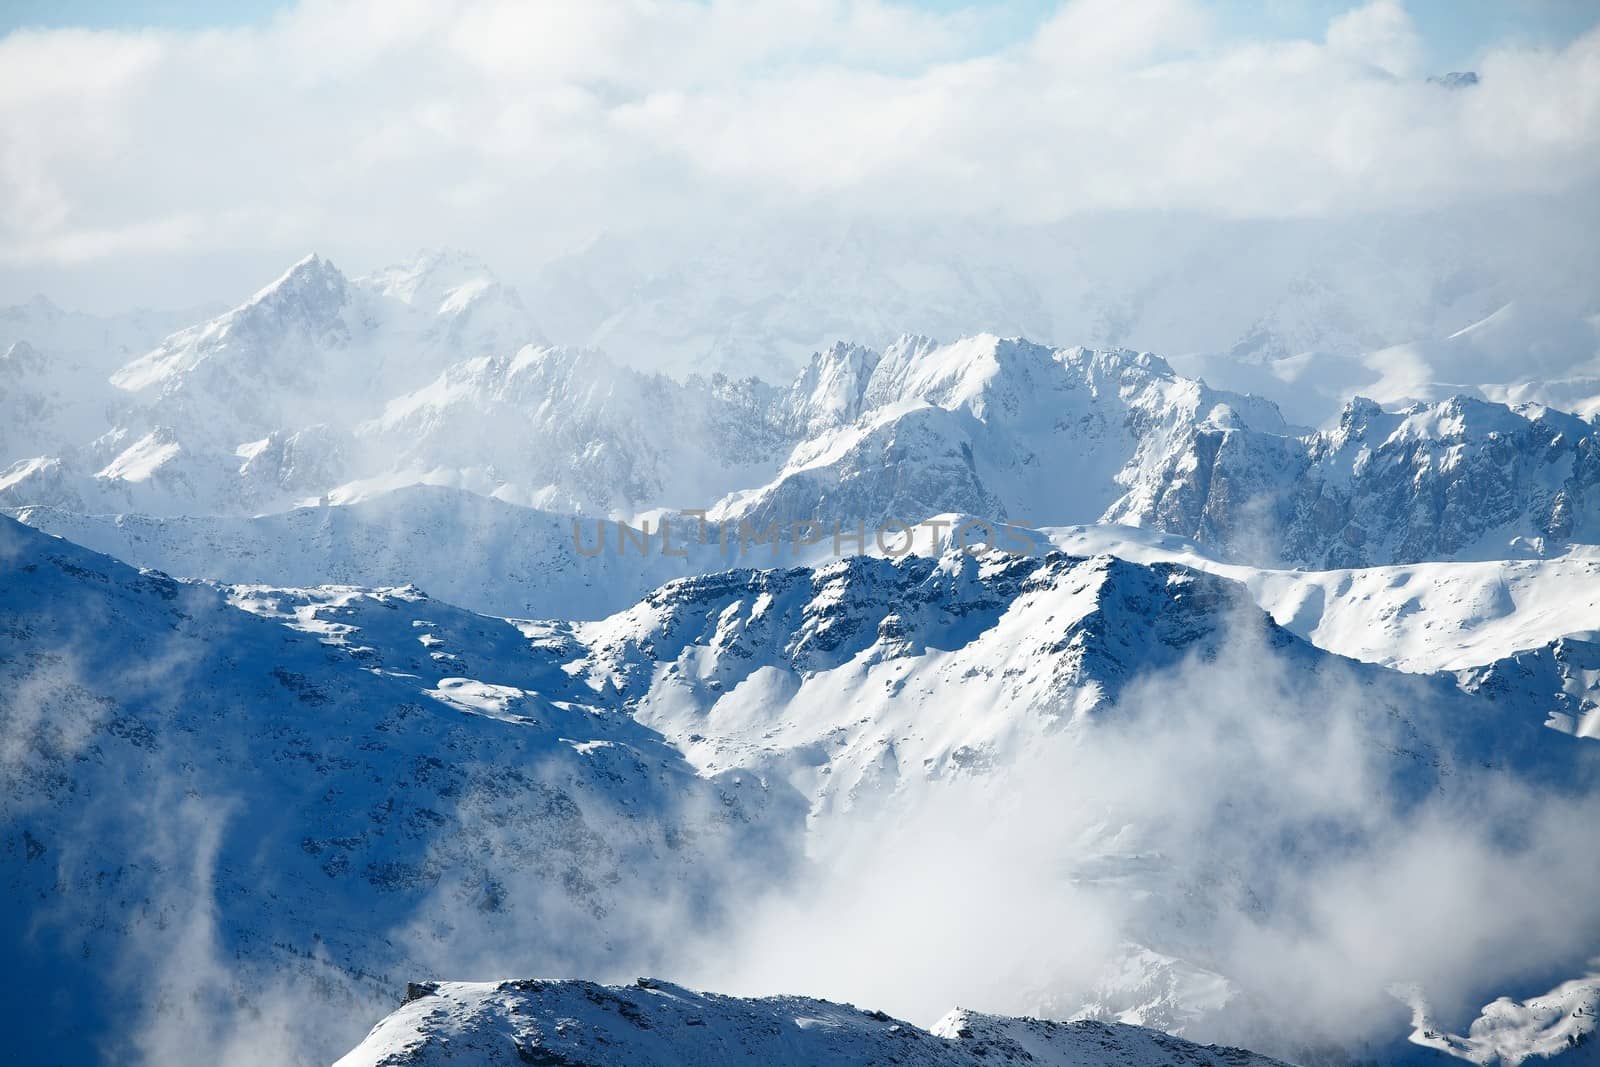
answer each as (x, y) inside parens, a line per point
(1455, 30)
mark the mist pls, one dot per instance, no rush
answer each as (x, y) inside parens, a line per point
(1314, 860)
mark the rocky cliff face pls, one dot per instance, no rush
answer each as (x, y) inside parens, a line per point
(1459, 479)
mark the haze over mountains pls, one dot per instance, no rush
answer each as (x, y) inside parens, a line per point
(1162, 766)
(1298, 309)
(435, 373)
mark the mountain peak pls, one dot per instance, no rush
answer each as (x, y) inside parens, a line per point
(1359, 411)
(311, 276)
(829, 391)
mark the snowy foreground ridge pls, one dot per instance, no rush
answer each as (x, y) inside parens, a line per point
(657, 1024)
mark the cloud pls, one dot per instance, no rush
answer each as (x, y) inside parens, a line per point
(1105, 33)
(1308, 843)
(1381, 34)
(508, 126)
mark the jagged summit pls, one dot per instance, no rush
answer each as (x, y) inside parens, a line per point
(306, 275)
(830, 391)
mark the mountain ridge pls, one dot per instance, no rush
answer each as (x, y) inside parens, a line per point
(582, 1024)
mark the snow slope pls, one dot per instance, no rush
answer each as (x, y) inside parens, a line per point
(1421, 617)
(1559, 1025)
(297, 796)
(513, 561)
(237, 820)
(655, 1024)
(302, 361)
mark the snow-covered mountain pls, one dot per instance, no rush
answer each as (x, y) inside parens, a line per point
(49, 400)
(54, 395)
(569, 430)
(989, 426)
(1528, 351)
(1525, 352)
(213, 797)
(348, 786)
(680, 302)
(1420, 617)
(100, 343)
(1462, 478)
(655, 1024)
(513, 561)
(250, 809)
(1558, 1025)
(252, 409)
(1562, 679)
(420, 375)
(316, 347)
(1011, 430)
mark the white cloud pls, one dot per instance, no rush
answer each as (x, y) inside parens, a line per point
(491, 124)
(1279, 826)
(1379, 33)
(1109, 33)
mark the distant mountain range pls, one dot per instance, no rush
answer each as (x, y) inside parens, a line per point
(322, 387)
